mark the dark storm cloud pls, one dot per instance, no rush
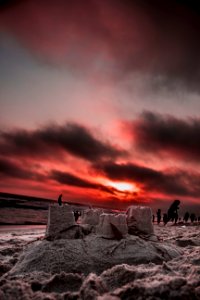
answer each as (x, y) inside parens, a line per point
(72, 180)
(170, 53)
(12, 169)
(160, 38)
(173, 182)
(78, 141)
(128, 171)
(52, 141)
(166, 134)
(69, 179)
(6, 4)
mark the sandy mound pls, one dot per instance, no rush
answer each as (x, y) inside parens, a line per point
(91, 254)
(177, 278)
(171, 280)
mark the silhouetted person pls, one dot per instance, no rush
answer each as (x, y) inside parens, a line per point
(158, 216)
(165, 219)
(60, 199)
(175, 217)
(186, 217)
(153, 218)
(199, 219)
(172, 213)
(192, 217)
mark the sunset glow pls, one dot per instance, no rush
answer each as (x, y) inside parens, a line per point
(100, 100)
(123, 186)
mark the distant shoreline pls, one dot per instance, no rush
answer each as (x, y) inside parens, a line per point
(46, 201)
(20, 227)
(20, 224)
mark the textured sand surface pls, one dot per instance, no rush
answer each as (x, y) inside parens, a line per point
(177, 278)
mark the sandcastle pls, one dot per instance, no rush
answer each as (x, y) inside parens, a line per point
(72, 247)
(107, 225)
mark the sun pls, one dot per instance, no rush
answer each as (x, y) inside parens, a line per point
(123, 186)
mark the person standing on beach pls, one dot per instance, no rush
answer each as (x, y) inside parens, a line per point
(172, 213)
(153, 218)
(186, 217)
(165, 219)
(158, 216)
(60, 200)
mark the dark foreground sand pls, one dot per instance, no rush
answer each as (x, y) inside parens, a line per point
(177, 278)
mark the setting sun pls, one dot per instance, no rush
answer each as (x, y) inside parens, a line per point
(123, 186)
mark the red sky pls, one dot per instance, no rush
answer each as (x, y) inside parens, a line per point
(100, 101)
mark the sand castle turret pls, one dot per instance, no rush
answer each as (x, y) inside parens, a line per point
(139, 219)
(59, 219)
(112, 226)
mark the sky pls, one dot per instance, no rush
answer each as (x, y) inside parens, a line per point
(100, 101)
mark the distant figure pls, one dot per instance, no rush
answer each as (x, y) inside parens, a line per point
(165, 219)
(176, 218)
(153, 218)
(172, 213)
(158, 216)
(60, 200)
(192, 217)
(186, 217)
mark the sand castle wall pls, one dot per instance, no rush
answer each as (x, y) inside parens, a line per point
(91, 216)
(137, 219)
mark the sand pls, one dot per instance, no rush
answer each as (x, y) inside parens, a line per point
(175, 275)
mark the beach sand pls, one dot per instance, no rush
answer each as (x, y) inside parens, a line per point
(177, 278)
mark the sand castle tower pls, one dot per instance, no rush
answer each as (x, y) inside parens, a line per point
(139, 219)
(59, 219)
(112, 226)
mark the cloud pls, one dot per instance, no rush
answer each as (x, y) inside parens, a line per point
(166, 134)
(69, 179)
(114, 36)
(5, 4)
(73, 180)
(52, 141)
(12, 169)
(168, 182)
